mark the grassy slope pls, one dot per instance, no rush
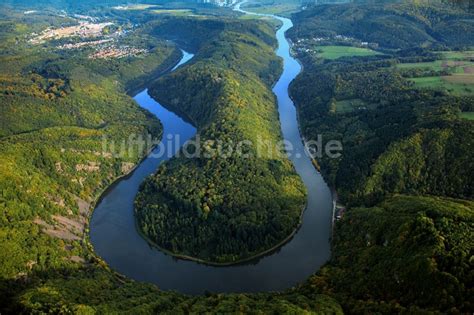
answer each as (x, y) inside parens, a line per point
(462, 85)
(334, 52)
(467, 115)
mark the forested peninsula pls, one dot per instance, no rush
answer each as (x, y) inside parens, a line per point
(224, 207)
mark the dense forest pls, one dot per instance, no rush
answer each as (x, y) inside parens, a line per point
(411, 142)
(406, 254)
(223, 207)
(56, 110)
(397, 138)
(394, 25)
(392, 252)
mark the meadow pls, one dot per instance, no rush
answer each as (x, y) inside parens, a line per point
(177, 12)
(349, 105)
(279, 7)
(467, 115)
(335, 52)
(453, 72)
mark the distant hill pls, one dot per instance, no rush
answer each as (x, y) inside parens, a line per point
(80, 5)
(397, 25)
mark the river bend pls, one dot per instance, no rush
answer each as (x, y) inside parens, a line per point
(115, 238)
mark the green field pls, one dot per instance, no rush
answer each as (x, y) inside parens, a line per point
(457, 64)
(457, 84)
(347, 106)
(456, 55)
(279, 7)
(334, 52)
(136, 7)
(176, 12)
(276, 23)
(467, 115)
(436, 65)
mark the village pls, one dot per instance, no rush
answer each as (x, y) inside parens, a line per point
(102, 36)
(84, 29)
(117, 52)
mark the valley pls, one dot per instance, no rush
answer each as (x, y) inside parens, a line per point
(104, 212)
(309, 242)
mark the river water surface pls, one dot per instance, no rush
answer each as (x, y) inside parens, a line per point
(115, 238)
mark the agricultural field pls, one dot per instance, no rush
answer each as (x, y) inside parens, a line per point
(467, 115)
(280, 7)
(347, 106)
(436, 65)
(455, 84)
(453, 73)
(459, 55)
(335, 52)
(176, 12)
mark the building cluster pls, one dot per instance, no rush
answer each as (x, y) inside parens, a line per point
(83, 29)
(117, 52)
(221, 3)
(89, 33)
(85, 44)
(340, 211)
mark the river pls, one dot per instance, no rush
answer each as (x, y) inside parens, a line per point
(115, 238)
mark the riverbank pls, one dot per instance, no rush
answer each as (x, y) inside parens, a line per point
(134, 87)
(132, 92)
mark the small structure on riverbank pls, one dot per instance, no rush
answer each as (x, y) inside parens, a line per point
(340, 211)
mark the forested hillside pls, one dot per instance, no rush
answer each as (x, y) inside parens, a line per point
(405, 254)
(398, 137)
(56, 108)
(233, 204)
(393, 25)
(380, 78)
(428, 148)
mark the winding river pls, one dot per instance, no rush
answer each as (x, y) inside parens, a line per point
(115, 237)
